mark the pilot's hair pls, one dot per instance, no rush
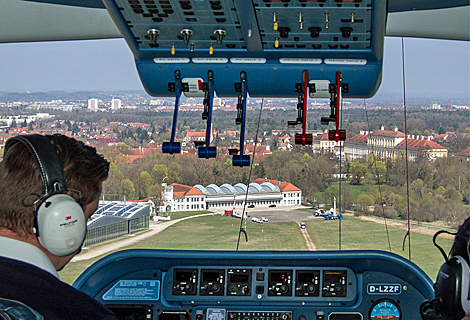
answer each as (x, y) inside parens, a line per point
(20, 182)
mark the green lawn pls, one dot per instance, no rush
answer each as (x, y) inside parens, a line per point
(221, 233)
(359, 234)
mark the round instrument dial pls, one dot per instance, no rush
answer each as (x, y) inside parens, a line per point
(385, 309)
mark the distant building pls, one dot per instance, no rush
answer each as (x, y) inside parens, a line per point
(115, 219)
(179, 197)
(321, 144)
(116, 104)
(432, 149)
(464, 154)
(390, 144)
(93, 104)
(356, 147)
(382, 142)
(261, 193)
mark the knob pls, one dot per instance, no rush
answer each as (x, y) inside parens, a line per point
(314, 32)
(188, 287)
(346, 31)
(311, 288)
(215, 288)
(284, 288)
(246, 290)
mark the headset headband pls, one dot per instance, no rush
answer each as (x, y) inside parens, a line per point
(47, 160)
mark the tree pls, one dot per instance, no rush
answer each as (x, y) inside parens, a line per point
(112, 185)
(331, 192)
(453, 195)
(364, 200)
(379, 170)
(159, 172)
(357, 171)
(144, 183)
(127, 189)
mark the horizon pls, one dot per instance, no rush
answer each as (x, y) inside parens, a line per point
(432, 67)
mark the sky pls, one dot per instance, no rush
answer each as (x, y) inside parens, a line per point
(432, 66)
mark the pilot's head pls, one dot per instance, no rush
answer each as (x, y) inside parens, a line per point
(22, 184)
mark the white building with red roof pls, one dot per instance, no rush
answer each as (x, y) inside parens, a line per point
(432, 149)
(259, 193)
(390, 144)
(179, 197)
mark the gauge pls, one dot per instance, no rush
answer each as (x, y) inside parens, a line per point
(385, 309)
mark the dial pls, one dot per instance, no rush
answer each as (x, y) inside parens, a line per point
(385, 309)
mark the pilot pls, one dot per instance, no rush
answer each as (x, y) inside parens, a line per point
(49, 187)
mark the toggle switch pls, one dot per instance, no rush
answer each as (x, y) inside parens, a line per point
(186, 34)
(219, 35)
(153, 35)
(327, 20)
(301, 21)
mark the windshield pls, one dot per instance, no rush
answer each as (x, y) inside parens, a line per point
(357, 194)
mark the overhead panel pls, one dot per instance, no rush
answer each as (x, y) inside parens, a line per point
(273, 41)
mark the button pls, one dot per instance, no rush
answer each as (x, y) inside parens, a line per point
(259, 276)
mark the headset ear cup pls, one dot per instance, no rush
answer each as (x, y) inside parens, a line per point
(61, 223)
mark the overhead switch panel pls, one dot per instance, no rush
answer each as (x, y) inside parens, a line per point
(272, 41)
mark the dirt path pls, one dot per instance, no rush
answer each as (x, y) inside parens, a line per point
(413, 227)
(155, 228)
(310, 245)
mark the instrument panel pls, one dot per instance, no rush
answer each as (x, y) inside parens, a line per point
(219, 285)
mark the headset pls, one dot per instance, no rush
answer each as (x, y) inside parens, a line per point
(452, 288)
(59, 220)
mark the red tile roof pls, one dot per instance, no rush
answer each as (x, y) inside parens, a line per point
(420, 145)
(322, 137)
(464, 153)
(181, 190)
(284, 186)
(388, 133)
(197, 134)
(358, 138)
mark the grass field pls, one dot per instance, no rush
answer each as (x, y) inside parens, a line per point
(221, 233)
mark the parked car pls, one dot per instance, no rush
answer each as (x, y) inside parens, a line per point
(333, 216)
(251, 206)
(302, 225)
(264, 219)
(272, 205)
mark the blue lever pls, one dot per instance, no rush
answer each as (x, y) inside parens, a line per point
(207, 151)
(173, 146)
(241, 160)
